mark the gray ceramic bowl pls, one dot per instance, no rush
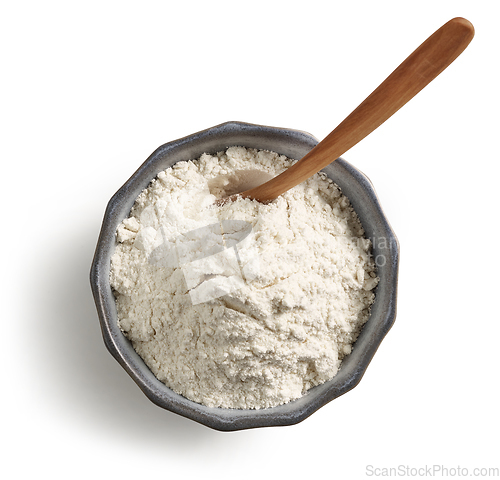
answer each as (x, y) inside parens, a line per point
(293, 144)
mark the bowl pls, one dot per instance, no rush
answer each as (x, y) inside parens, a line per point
(294, 144)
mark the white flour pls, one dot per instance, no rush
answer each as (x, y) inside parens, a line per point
(257, 316)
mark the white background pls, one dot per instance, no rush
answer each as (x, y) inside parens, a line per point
(90, 89)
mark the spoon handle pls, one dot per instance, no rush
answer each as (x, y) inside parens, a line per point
(416, 72)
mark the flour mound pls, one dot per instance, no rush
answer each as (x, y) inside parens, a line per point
(245, 305)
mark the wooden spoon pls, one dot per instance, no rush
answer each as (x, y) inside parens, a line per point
(416, 72)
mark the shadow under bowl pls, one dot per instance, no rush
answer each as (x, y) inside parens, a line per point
(294, 144)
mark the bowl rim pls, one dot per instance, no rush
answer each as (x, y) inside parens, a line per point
(119, 347)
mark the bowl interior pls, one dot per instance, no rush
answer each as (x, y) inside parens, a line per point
(294, 144)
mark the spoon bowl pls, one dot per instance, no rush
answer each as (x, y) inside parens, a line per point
(230, 185)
